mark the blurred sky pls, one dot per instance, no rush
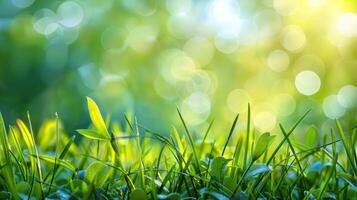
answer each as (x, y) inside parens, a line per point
(209, 58)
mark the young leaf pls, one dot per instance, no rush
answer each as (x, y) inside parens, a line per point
(218, 168)
(312, 137)
(58, 161)
(97, 118)
(92, 134)
(262, 145)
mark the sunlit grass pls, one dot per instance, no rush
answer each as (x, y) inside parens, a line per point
(130, 161)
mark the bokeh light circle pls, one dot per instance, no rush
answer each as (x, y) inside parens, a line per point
(264, 121)
(70, 14)
(347, 96)
(294, 38)
(332, 108)
(278, 60)
(286, 7)
(22, 3)
(307, 83)
(347, 24)
(196, 108)
(238, 100)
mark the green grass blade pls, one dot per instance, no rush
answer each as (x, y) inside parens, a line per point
(246, 147)
(38, 162)
(346, 146)
(6, 170)
(191, 144)
(230, 134)
(291, 146)
(285, 138)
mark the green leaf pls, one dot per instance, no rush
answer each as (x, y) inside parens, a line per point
(256, 170)
(347, 147)
(97, 118)
(312, 137)
(5, 159)
(5, 195)
(98, 173)
(60, 162)
(350, 180)
(262, 145)
(26, 135)
(23, 187)
(138, 194)
(215, 195)
(91, 134)
(218, 167)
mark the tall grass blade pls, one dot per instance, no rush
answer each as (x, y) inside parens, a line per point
(246, 148)
(6, 162)
(188, 135)
(346, 146)
(230, 134)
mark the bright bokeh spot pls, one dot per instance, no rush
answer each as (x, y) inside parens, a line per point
(182, 67)
(265, 121)
(178, 6)
(45, 21)
(238, 100)
(141, 38)
(196, 108)
(22, 3)
(332, 108)
(224, 14)
(293, 38)
(278, 60)
(70, 14)
(307, 83)
(347, 96)
(286, 7)
(347, 24)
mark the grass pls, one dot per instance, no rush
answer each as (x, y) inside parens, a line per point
(130, 161)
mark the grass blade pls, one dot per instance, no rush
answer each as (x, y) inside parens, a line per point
(191, 143)
(230, 134)
(6, 162)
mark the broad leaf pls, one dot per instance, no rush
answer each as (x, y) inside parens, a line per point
(138, 194)
(218, 168)
(97, 118)
(256, 170)
(262, 145)
(312, 137)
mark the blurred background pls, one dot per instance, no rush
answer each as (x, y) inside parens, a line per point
(208, 57)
